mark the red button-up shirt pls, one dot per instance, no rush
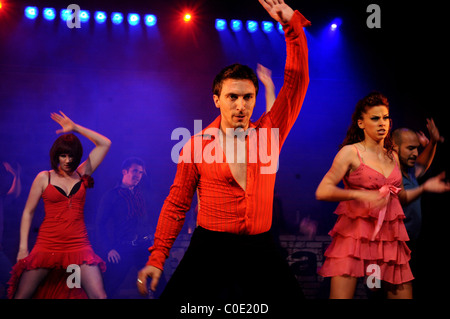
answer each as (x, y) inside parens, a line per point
(224, 205)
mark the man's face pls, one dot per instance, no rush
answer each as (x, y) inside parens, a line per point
(133, 175)
(236, 102)
(408, 150)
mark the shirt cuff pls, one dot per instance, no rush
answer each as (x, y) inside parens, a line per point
(297, 20)
(156, 259)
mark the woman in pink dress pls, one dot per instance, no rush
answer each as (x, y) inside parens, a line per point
(369, 235)
(62, 239)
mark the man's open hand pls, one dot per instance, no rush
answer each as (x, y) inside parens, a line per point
(278, 10)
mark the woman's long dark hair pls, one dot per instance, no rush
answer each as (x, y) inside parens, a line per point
(354, 133)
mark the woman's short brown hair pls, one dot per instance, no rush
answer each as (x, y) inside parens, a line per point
(66, 144)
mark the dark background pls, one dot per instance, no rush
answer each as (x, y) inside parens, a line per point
(137, 84)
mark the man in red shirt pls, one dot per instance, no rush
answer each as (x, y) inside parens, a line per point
(231, 255)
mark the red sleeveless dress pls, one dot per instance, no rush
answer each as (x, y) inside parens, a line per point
(62, 240)
(363, 236)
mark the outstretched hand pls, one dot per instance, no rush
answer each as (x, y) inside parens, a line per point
(278, 10)
(437, 184)
(9, 168)
(67, 125)
(434, 132)
(423, 139)
(264, 75)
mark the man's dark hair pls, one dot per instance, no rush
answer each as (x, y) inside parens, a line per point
(235, 71)
(133, 160)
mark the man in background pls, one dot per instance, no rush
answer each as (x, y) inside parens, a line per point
(124, 229)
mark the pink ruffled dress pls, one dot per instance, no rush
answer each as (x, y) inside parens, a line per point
(363, 236)
(62, 241)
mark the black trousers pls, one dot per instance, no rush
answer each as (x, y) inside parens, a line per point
(221, 267)
(116, 273)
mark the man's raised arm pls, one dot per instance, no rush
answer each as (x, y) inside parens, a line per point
(290, 99)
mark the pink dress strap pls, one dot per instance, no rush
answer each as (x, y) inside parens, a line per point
(359, 155)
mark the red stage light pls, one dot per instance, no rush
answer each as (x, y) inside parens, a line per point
(187, 17)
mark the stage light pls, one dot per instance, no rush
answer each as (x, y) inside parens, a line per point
(49, 14)
(187, 17)
(1, 5)
(267, 26)
(221, 24)
(31, 12)
(252, 26)
(100, 16)
(150, 20)
(236, 25)
(335, 24)
(280, 28)
(65, 14)
(117, 17)
(133, 18)
(84, 15)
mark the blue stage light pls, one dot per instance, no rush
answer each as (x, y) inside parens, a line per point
(150, 20)
(335, 24)
(133, 18)
(117, 17)
(100, 16)
(252, 26)
(267, 26)
(84, 15)
(31, 12)
(236, 25)
(280, 28)
(49, 14)
(221, 24)
(65, 14)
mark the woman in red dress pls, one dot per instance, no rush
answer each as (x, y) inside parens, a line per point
(62, 239)
(369, 235)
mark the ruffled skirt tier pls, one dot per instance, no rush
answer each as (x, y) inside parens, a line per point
(54, 285)
(352, 251)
